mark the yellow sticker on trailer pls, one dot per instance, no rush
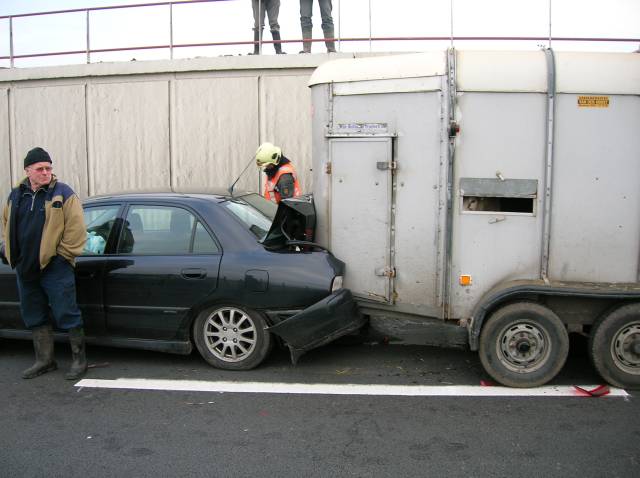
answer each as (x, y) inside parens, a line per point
(593, 101)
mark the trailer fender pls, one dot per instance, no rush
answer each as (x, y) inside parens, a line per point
(530, 289)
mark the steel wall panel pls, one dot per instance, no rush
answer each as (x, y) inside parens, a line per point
(5, 164)
(595, 227)
(52, 117)
(128, 136)
(500, 132)
(285, 119)
(215, 132)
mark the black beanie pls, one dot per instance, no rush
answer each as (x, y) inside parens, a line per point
(36, 155)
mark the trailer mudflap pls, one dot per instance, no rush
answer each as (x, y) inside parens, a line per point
(319, 324)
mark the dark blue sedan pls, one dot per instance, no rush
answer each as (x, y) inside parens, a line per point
(165, 271)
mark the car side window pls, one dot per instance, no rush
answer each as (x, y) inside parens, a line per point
(162, 230)
(99, 221)
(202, 241)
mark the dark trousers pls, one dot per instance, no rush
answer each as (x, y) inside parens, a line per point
(54, 291)
(306, 11)
(272, 8)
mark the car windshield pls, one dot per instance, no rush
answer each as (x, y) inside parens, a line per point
(254, 211)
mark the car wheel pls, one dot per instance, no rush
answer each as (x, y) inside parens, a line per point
(614, 346)
(523, 345)
(231, 337)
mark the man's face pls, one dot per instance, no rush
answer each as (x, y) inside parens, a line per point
(269, 167)
(39, 174)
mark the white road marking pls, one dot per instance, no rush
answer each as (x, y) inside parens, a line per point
(342, 388)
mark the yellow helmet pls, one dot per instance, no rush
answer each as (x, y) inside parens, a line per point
(267, 154)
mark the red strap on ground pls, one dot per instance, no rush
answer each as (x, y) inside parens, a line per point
(599, 391)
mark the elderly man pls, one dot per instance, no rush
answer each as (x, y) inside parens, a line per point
(44, 232)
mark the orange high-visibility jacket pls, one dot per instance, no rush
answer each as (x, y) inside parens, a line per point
(270, 184)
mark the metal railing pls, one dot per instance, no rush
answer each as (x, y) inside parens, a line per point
(171, 46)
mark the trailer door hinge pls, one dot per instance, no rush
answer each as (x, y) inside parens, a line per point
(327, 167)
(386, 272)
(383, 165)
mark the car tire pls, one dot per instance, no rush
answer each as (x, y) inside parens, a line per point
(523, 345)
(614, 347)
(232, 337)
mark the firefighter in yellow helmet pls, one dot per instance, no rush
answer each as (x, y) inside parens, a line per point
(282, 180)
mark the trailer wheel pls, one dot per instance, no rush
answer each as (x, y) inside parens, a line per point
(614, 347)
(523, 345)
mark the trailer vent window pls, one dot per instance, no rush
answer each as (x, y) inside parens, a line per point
(493, 204)
(498, 195)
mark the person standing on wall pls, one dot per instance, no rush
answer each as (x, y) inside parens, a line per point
(282, 180)
(306, 12)
(44, 232)
(272, 9)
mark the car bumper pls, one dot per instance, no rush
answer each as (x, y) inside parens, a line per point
(319, 324)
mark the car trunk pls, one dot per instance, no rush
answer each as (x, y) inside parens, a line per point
(293, 225)
(336, 315)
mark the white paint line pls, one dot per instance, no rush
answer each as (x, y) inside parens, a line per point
(342, 389)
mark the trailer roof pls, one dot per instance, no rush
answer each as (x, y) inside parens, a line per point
(498, 71)
(415, 65)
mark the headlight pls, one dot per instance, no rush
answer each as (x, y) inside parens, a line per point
(336, 284)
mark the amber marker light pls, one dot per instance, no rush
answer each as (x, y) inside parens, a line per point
(465, 279)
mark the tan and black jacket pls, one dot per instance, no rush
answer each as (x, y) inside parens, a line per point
(64, 231)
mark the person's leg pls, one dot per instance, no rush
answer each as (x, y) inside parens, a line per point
(258, 23)
(327, 24)
(59, 283)
(34, 309)
(273, 10)
(306, 11)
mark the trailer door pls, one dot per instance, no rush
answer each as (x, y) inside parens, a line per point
(361, 183)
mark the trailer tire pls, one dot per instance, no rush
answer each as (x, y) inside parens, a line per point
(523, 344)
(614, 347)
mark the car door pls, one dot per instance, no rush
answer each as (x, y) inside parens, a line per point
(9, 301)
(101, 221)
(166, 262)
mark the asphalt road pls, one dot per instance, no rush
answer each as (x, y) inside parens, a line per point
(50, 428)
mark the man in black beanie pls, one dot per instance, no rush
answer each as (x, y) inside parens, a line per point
(44, 232)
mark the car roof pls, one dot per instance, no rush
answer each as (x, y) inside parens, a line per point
(216, 195)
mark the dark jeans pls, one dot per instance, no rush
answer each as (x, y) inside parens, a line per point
(306, 12)
(272, 8)
(55, 291)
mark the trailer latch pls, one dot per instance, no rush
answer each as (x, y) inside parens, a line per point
(454, 129)
(386, 272)
(383, 165)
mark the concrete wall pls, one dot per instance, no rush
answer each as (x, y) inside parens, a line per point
(147, 125)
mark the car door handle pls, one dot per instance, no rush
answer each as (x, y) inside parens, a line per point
(193, 273)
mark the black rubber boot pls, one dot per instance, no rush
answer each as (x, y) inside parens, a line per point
(306, 45)
(277, 46)
(79, 363)
(43, 347)
(331, 44)
(256, 44)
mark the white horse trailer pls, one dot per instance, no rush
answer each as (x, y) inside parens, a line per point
(489, 200)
